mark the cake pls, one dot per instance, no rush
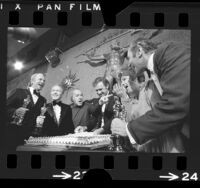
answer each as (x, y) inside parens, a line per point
(77, 139)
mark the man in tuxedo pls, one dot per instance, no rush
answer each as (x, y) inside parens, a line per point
(169, 65)
(58, 117)
(102, 108)
(16, 133)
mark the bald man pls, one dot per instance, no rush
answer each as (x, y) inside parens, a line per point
(58, 118)
(16, 133)
(81, 112)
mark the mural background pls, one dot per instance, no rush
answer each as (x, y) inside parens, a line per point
(85, 72)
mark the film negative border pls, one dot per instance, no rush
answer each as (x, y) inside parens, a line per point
(76, 165)
(135, 166)
(89, 16)
(134, 19)
(84, 162)
(87, 19)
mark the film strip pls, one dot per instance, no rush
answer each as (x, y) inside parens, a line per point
(61, 40)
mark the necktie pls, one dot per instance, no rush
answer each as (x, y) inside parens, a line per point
(57, 110)
(36, 92)
(57, 103)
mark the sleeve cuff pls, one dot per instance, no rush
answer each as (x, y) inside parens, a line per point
(132, 140)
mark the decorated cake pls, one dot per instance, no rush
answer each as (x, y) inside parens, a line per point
(77, 139)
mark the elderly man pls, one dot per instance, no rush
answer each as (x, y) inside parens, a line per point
(18, 131)
(169, 66)
(58, 117)
(81, 114)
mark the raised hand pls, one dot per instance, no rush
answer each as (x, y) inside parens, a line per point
(40, 121)
(120, 91)
(80, 129)
(104, 99)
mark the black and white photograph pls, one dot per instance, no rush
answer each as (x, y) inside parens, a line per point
(98, 90)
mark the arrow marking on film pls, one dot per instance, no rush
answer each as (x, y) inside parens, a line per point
(170, 177)
(63, 176)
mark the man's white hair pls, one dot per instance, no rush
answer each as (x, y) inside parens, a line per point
(57, 85)
(33, 78)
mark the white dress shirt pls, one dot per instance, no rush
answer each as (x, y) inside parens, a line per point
(103, 110)
(57, 111)
(34, 96)
(154, 77)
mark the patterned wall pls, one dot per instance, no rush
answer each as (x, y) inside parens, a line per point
(87, 73)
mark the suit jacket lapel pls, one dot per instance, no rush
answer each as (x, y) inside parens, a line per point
(29, 93)
(63, 112)
(32, 103)
(38, 101)
(76, 112)
(108, 105)
(51, 112)
(155, 66)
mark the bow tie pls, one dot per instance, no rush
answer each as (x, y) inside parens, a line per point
(36, 92)
(57, 103)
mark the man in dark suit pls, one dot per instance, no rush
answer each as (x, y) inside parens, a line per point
(17, 132)
(102, 108)
(168, 120)
(81, 115)
(58, 118)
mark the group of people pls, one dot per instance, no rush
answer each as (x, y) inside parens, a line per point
(153, 91)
